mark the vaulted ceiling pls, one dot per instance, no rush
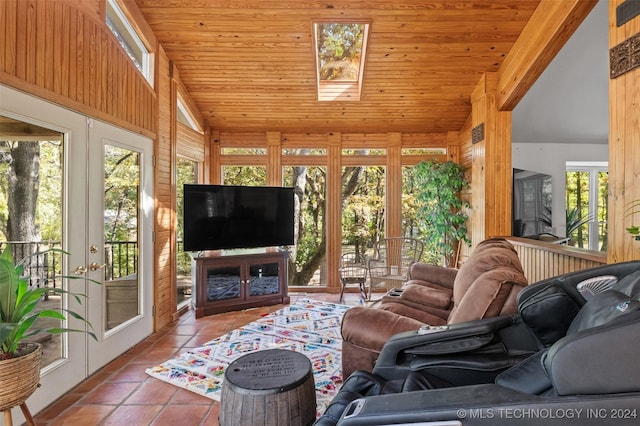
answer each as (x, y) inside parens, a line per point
(249, 65)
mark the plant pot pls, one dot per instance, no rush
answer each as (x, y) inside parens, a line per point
(20, 376)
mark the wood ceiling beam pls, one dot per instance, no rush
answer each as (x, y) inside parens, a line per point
(549, 28)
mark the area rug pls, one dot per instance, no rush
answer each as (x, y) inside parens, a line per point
(306, 326)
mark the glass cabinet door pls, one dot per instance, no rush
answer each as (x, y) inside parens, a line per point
(264, 279)
(224, 283)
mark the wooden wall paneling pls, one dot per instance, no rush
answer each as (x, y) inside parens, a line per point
(164, 289)
(73, 54)
(624, 147)
(491, 164)
(242, 139)
(87, 62)
(478, 165)
(10, 15)
(33, 39)
(274, 159)
(65, 57)
(215, 170)
(334, 209)
(501, 183)
(171, 109)
(304, 140)
(39, 52)
(190, 143)
(393, 186)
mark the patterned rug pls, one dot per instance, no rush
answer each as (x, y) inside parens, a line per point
(306, 326)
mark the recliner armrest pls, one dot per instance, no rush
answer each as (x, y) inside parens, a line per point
(453, 338)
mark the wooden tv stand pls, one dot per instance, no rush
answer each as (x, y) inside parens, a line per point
(231, 280)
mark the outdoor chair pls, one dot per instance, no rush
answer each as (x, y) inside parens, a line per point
(393, 256)
(353, 270)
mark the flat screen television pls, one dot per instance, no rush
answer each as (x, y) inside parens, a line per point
(237, 217)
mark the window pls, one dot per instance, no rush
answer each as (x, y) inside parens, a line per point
(184, 116)
(187, 172)
(340, 54)
(586, 204)
(129, 39)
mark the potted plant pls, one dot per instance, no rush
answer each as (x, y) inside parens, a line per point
(19, 360)
(633, 208)
(441, 210)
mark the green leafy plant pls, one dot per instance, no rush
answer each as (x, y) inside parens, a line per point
(576, 220)
(441, 210)
(18, 304)
(633, 208)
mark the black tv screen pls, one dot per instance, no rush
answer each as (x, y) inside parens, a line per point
(229, 217)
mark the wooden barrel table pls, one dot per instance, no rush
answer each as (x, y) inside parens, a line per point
(272, 387)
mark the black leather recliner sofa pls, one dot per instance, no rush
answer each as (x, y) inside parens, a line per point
(570, 355)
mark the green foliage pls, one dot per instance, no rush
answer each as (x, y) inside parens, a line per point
(49, 206)
(442, 220)
(632, 208)
(339, 50)
(576, 220)
(18, 305)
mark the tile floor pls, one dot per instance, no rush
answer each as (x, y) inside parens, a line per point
(122, 394)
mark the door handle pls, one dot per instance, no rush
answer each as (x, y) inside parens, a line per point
(80, 270)
(94, 266)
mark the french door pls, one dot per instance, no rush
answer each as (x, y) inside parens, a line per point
(105, 218)
(119, 244)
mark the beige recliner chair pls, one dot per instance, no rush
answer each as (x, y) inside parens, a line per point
(485, 286)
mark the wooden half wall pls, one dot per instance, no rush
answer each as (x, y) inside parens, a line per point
(541, 260)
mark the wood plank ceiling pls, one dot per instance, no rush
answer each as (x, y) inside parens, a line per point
(249, 65)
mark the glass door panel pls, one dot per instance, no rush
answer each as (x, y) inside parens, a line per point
(31, 214)
(121, 209)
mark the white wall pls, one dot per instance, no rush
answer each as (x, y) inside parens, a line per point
(551, 158)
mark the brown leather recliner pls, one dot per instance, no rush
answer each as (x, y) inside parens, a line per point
(486, 285)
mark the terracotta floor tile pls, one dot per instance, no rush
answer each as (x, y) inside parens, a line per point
(121, 393)
(212, 417)
(183, 415)
(173, 340)
(62, 404)
(88, 415)
(93, 381)
(185, 397)
(118, 363)
(152, 392)
(137, 415)
(133, 372)
(110, 393)
(156, 355)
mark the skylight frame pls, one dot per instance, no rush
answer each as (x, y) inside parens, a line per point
(340, 90)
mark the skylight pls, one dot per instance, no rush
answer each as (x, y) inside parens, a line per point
(340, 53)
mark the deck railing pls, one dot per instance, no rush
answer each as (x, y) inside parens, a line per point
(45, 269)
(541, 260)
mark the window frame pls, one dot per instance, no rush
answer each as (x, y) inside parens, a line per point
(340, 90)
(122, 28)
(593, 168)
